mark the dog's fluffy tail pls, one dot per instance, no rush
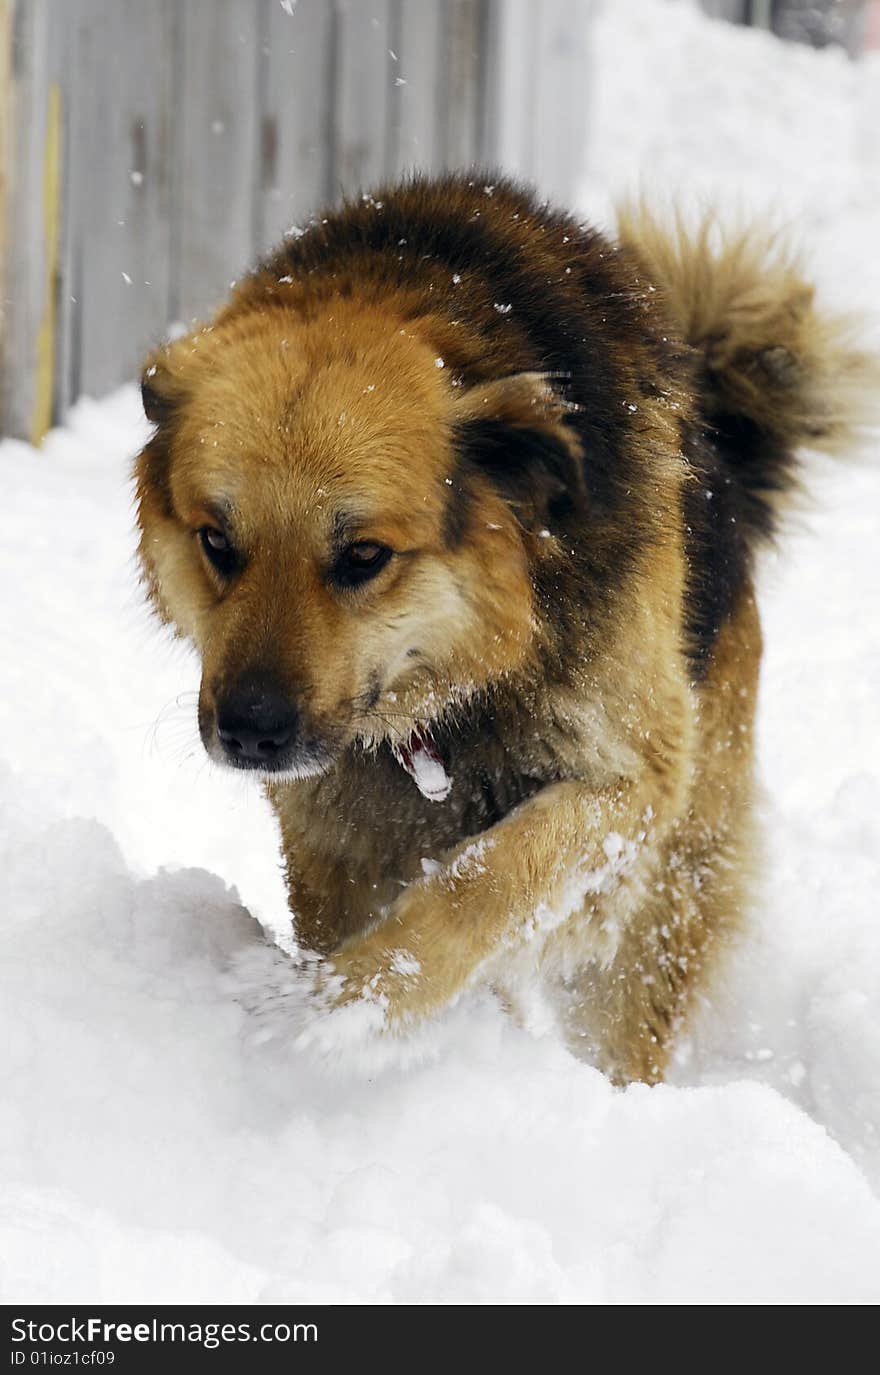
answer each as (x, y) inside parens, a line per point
(774, 373)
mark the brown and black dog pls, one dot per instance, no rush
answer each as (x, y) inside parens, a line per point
(458, 501)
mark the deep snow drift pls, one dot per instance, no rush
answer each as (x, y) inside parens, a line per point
(154, 1149)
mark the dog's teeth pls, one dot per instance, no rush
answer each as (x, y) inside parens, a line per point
(424, 765)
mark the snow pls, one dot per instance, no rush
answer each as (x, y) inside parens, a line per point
(156, 1146)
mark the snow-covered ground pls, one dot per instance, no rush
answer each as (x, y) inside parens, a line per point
(153, 1149)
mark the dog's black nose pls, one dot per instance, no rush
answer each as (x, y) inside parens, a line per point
(256, 724)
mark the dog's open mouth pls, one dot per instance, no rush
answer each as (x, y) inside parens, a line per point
(422, 761)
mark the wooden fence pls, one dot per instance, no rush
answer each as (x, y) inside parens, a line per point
(151, 149)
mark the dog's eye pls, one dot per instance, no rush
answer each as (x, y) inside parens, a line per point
(218, 550)
(360, 562)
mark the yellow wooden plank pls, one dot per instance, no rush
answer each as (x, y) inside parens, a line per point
(45, 362)
(5, 168)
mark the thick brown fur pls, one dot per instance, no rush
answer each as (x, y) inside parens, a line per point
(571, 449)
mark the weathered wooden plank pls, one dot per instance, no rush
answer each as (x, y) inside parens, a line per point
(5, 155)
(735, 10)
(156, 146)
(363, 79)
(34, 113)
(460, 107)
(539, 122)
(418, 47)
(514, 87)
(296, 120)
(117, 227)
(216, 131)
(74, 195)
(559, 118)
(489, 79)
(509, 120)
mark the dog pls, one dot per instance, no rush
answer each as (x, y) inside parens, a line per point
(459, 502)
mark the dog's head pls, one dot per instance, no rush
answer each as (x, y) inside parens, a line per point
(345, 531)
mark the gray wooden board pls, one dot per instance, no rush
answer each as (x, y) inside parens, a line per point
(66, 43)
(196, 132)
(560, 71)
(363, 82)
(5, 156)
(460, 104)
(118, 179)
(418, 44)
(216, 130)
(25, 276)
(296, 121)
(735, 10)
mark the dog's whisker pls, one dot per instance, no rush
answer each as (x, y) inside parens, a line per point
(174, 730)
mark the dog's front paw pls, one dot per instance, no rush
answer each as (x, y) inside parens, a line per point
(360, 1004)
(401, 973)
(356, 994)
(366, 1011)
(276, 989)
(371, 981)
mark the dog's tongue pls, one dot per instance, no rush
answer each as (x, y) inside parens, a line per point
(422, 762)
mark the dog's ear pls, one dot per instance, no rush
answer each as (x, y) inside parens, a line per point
(518, 431)
(162, 387)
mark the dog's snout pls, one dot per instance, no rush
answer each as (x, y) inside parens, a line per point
(256, 724)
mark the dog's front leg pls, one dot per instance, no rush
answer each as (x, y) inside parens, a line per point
(517, 880)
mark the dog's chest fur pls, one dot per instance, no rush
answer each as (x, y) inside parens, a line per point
(355, 835)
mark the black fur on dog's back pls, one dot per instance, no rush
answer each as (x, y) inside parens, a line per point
(536, 290)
